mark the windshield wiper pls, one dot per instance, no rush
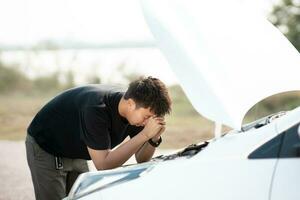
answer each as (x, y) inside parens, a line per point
(262, 122)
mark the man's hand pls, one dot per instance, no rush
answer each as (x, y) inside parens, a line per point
(154, 126)
(157, 136)
(162, 129)
(146, 152)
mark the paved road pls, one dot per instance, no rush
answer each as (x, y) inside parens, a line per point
(15, 180)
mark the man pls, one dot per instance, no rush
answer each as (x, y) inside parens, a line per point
(86, 123)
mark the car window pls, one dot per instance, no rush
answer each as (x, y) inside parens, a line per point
(285, 145)
(270, 149)
(291, 143)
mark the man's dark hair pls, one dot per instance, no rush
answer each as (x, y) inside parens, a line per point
(150, 93)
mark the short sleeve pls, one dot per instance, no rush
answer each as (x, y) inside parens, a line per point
(94, 127)
(134, 130)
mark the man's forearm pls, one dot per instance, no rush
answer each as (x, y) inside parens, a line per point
(145, 153)
(121, 154)
(108, 159)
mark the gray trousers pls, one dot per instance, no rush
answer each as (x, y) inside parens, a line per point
(50, 183)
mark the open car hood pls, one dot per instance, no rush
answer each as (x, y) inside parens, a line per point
(225, 56)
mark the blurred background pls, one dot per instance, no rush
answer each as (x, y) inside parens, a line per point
(49, 46)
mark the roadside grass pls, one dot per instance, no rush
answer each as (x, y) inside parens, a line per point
(16, 112)
(184, 125)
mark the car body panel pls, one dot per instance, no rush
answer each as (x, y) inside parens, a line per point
(288, 121)
(238, 144)
(209, 182)
(222, 170)
(286, 179)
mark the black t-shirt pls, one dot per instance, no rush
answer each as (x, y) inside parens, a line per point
(81, 117)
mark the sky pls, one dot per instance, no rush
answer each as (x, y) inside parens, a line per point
(27, 22)
(96, 21)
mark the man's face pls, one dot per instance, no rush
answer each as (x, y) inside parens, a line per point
(139, 116)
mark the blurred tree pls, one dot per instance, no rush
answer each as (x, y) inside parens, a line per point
(126, 74)
(94, 76)
(93, 79)
(13, 80)
(46, 44)
(47, 84)
(69, 80)
(286, 16)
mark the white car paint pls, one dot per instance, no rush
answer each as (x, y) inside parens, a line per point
(222, 170)
(225, 56)
(286, 179)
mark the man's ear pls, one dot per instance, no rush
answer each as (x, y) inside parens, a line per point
(131, 104)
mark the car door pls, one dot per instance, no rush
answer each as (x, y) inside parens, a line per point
(286, 180)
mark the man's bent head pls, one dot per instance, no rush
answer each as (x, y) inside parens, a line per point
(147, 96)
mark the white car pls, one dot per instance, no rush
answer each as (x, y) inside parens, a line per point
(223, 75)
(261, 161)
